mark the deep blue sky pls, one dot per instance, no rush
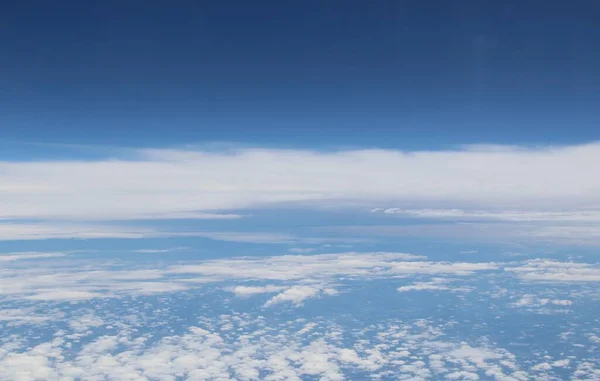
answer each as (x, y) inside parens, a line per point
(407, 74)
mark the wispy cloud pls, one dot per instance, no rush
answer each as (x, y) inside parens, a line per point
(501, 215)
(490, 232)
(50, 230)
(9, 257)
(160, 251)
(436, 284)
(245, 291)
(544, 270)
(294, 277)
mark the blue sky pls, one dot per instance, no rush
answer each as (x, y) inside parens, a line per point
(299, 125)
(299, 190)
(391, 74)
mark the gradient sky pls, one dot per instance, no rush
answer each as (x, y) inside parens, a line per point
(300, 123)
(299, 190)
(392, 74)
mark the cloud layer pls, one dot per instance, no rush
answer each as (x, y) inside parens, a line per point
(155, 183)
(209, 350)
(286, 279)
(379, 315)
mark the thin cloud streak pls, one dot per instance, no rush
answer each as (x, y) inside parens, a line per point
(498, 215)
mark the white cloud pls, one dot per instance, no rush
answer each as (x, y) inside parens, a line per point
(252, 237)
(176, 215)
(423, 286)
(302, 274)
(542, 367)
(78, 280)
(327, 266)
(439, 284)
(9, 257)
(554, 271)
(295, 295)
(64, 295)
(39, 231)
(561, 302)
(243, 291)
(502, 215)
(530, 300)
(561, 363)
(23, 316)
(10, 231)
(159, 183)
(402, 350)
(84, 322)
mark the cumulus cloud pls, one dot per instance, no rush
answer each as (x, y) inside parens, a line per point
(400, 350)
(84, 322)
(137, 338)
(297, 294)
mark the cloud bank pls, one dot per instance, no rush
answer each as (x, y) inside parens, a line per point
(161, 183)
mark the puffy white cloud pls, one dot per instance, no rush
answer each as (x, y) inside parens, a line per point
(159, 183)
(561, 363)
(84, 322)
(439, 284)
(544, 366)
(297, 294)
(402, 350)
